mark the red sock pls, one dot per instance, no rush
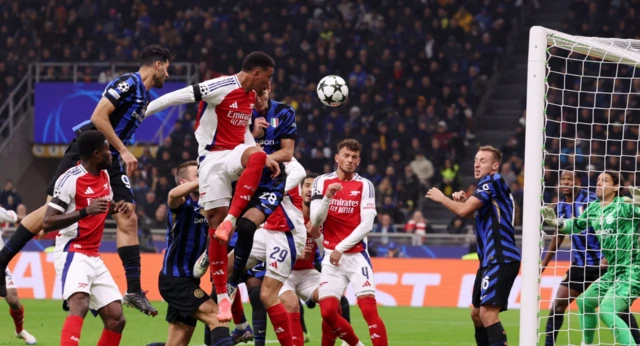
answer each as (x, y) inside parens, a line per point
(328, 337)
(109, 338)
(296, 328)
(237, 310)
(218, 262)
(70, 335)
(329, 308)
(377, 330)
(248, 183)
(18, 318)
(280, 321)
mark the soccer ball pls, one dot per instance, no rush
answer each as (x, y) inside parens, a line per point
(332, 90)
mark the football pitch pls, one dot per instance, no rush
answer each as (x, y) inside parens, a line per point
(405, 326)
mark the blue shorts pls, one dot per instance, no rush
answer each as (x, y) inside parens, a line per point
(257, 272)
(270, 192)
(493, 284)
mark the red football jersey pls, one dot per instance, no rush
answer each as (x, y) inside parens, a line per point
(223, 115)
(303, 264)
(75, 190)
(356, 198)
(282, 218)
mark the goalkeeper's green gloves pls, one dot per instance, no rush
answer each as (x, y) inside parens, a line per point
(550, 218)
(635, 193)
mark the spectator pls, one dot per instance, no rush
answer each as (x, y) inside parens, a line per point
(418, 225)
(385, 226)
(393, 250)
(457, 226)
(449, 180)
(9, 197)
(423, 169)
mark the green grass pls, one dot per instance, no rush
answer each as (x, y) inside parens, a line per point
(405, 326)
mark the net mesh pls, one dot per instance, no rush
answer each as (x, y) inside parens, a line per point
(592, 112)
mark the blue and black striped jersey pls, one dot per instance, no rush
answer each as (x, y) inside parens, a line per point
(494, 222)
(585, 248)
(186, 239)
(282, 124)
(129, 96)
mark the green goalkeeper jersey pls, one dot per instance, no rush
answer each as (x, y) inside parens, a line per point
(615, 225)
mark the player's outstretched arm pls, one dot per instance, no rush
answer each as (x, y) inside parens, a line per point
(462, 209)
(55, 218)
(575, 225)
(182, 96)
(367, 217)
(177, 195)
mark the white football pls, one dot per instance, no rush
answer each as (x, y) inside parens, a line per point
(332, 90)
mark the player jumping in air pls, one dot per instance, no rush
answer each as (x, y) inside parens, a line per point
(585, 256)
(117, 116)
(81, 199)
(615, 222)
(16, 310)
(225, 148)
(186, 239)
(499, 256)
(344, 204)
(304, 279)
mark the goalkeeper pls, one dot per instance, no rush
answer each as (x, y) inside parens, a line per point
(615, 222)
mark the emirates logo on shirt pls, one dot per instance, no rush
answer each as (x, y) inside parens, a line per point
(238, 118)
(343, 206)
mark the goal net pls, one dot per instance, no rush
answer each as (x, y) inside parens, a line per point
(583, 111)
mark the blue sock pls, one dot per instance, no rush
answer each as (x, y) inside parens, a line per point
(220, 337)
(259, 317)
(207, 335)
(497, 335)
(554, 323)
(245, 229)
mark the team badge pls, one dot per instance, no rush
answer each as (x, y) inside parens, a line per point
(275, 122)
(198, 293)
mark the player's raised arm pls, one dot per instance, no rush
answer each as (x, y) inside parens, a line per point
(575, 225)
(185, 184)
(182, 96)
(367, 217)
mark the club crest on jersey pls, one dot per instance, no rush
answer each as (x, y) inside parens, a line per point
(275, 122)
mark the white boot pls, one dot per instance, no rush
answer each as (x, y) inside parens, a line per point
(28, 338)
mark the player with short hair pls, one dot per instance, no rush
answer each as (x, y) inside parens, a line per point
(499, 256)
(118, 115)
(344, 204)
(585, 256)
(186, 239)
(616, 224)
(227, 152)
(16, 309)
(81, 199)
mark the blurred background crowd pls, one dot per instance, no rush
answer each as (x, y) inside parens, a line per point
(416, 72)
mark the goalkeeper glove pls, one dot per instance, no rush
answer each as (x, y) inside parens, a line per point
(550, 218)
(635, 193)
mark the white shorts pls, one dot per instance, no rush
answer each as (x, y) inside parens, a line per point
(354, 268)
(88, 274)
(8, 278)
(216, 171)
(277, 250)
(303, 283)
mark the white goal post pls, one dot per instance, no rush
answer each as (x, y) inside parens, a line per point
(619, 52)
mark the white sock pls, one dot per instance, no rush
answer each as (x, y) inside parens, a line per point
(242, 326)
(223, 296)
(360, 343)
(231, 218)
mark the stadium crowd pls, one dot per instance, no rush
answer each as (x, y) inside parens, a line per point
(416, 71)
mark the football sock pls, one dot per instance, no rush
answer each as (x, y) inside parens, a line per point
(246, 230)
(497, 335)
(259, 317)
(609, 315)
(218, 263)
(302, 324)
(18, 240)
(328, 337)
(207, 335)
(329, 309)
(630, 320)
(554, 323)
(279, 318)
(587, 303)
(237, 310)
(247, 183)
(130, 257)
(482, 339)
(377, 329)
(220, 337)
(109, 338)
(18, 318)
(344, 305)
(70, 335)
(296, 328)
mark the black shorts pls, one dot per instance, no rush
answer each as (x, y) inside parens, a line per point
(183, 296)
(120, 183)
(269, 193)
(493, 284)
(579, 278)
